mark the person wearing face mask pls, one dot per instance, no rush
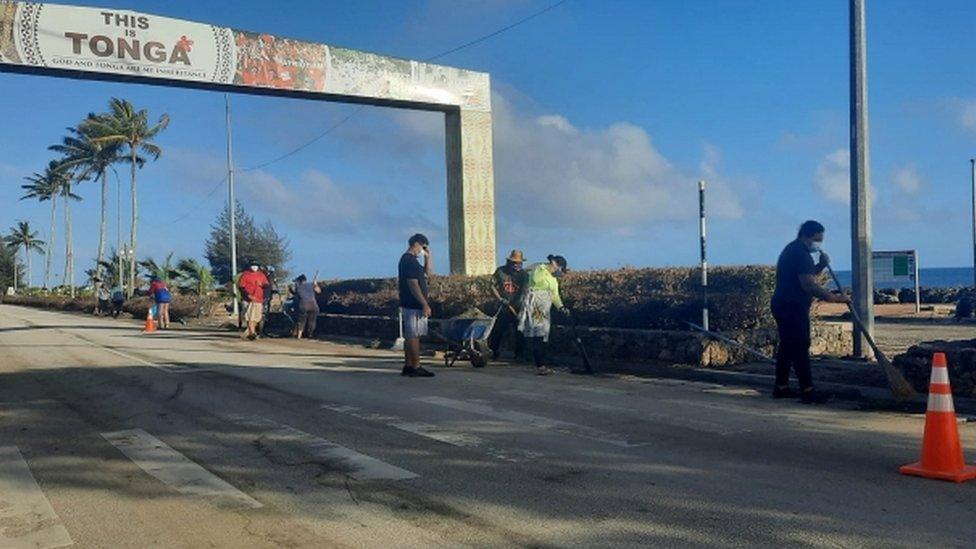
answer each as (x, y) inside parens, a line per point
(508, 284)
(535, 319)
(414, 307)
(253, 284)
(796, 287)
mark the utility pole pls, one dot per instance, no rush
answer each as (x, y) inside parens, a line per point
(704, 261)
(862, 278)
(119, 278)
(232, 205)
(972, 166)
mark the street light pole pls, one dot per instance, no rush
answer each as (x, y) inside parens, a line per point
(232, 205)
(860, 180)
(972, 166)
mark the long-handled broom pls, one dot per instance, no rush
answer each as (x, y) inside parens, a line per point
(900, 387)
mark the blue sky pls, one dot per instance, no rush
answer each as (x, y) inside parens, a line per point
(605, 113)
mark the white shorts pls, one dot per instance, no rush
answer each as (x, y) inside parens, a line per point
(414, 323)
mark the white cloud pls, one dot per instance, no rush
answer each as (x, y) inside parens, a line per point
(907, 179)
(833, 176)
(550, 173)
(967, 114)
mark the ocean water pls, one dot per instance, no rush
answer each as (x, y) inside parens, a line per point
(940, 277)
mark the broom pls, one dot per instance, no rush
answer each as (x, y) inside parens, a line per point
(900, 387)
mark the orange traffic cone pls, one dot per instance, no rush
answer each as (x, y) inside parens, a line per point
(941, 450)
(150, 323)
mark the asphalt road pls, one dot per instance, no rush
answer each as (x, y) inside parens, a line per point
(112, 438)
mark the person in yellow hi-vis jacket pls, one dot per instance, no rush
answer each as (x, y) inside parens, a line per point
(535, 318)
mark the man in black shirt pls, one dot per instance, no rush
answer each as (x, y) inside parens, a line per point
(508, 284)
(796, 286)
(414, 307)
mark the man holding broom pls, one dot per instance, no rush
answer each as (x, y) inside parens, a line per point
(508, 284)
(796, 286)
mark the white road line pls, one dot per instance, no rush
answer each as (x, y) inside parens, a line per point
(174, 469)
(26, 517)
(359, 466)
(168, 368)
(677, 419)
(531, 420)
(439, 433)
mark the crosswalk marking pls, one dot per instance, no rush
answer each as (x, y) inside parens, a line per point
(537, 422)
(174, 469)
(360, 466)
(438, 433)
(26, 517)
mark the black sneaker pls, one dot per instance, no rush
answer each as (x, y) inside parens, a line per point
(784, 393)
(415, 372)
(815, 397)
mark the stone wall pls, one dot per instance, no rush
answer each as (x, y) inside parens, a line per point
(681, 347)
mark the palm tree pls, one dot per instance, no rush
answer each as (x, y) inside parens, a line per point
(86, 156)
(69, 246)
(47, 186)
(165, 271)
(114, 270)
(125, 126)
(23, 236)
(195, 277)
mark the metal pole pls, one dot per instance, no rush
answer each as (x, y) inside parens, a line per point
(972, 164)
(704, 261)
(119, 278)
(862, 279)
(918, 297)
(231, 205)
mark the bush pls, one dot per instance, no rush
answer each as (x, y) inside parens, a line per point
(138, 307)
(661, 298)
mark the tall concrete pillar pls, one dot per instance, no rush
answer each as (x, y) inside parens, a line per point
(470, 192)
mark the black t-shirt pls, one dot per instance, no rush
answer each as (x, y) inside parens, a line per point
(795, 260)
(510, 283)
(411, 268)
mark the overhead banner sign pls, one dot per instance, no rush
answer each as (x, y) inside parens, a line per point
(54, 36)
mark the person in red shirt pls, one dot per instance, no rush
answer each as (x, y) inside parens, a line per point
(253, 284)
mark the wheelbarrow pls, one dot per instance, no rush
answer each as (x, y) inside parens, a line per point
(466, 338)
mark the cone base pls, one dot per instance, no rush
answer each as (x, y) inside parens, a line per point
(968, 472)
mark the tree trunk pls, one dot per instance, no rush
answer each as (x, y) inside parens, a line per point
(30, 270)
(15, 270)
(135, 223)
(69, 247)
(103, 227)
(50, 244)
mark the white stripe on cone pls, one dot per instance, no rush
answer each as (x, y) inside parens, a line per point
(940, 403)
(940, 375)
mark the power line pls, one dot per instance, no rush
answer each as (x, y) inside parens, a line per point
(499, 31)
(295, 151)
(351, 115)
(341, 122)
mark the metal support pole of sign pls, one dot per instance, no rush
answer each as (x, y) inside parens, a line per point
(231, 207)
(862, 279)
(918, 297)
(704, 261)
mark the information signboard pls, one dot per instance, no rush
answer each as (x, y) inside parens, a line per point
(897, 267)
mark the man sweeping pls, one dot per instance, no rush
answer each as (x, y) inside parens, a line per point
(508, 284)
(796, 286)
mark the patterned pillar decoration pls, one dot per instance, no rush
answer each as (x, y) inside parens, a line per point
(470, 192)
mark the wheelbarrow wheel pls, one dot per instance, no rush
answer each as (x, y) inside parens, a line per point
(479, 357)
